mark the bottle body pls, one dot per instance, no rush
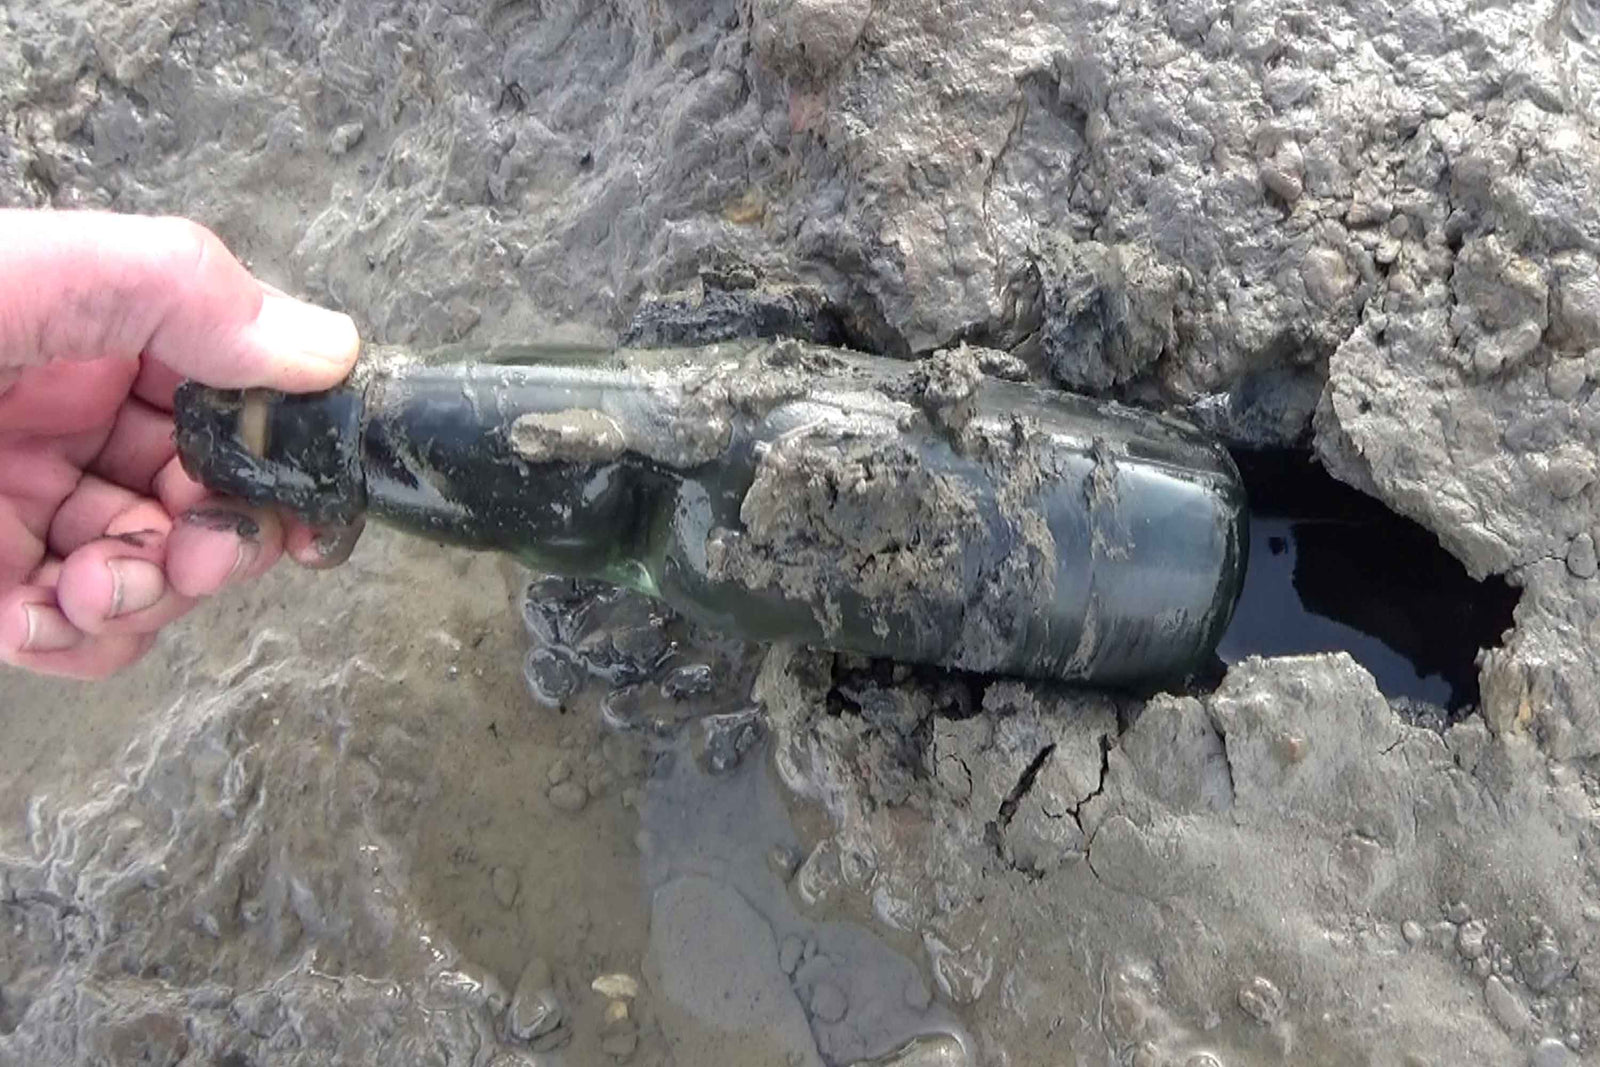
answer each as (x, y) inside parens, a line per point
(782, 491)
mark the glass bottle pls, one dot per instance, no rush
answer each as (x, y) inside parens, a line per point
(775, 490)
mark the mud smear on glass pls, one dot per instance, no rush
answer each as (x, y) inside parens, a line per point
(1332, 569)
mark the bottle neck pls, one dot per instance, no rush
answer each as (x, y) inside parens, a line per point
(531, 461)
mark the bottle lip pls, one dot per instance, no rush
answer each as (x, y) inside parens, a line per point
(296, 452)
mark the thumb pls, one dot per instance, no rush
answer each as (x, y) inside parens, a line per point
(290, 345)
(81, 285)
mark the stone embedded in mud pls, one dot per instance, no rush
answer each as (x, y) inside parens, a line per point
(722, 740)
(828, 1002)
(1261, 1000)
(1504, 1005)
(690, 680)
(551, 678)
(536, 1009)
(569, 796)
(1581, 558)
(929, 1050)
(1551, 1052)
(807, 39)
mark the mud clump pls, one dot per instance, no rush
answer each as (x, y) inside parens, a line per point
(869, 512)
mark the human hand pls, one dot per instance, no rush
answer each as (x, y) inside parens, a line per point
(104, 539)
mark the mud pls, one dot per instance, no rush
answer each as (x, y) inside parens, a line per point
(318, 826)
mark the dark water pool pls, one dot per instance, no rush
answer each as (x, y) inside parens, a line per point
(1333, 569)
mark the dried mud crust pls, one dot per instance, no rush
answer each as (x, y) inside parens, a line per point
(1061, 856)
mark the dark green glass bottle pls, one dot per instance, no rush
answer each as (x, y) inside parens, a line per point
(780, 490)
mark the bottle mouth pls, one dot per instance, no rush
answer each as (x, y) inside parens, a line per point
(296, 452)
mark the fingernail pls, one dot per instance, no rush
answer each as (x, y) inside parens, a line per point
(49, 630)
(248, 552)
(295, 327)
(223, 520)
(136, 584)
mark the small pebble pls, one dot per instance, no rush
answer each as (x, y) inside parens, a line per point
(1412, 931)
(345, 138)
(1458, 912)
(692, 680)
(1581, 561)
(1552, 1053)
(569, 796)
(828, 1002)
(1565, 378)
(616, 1012)
(550, 678)
(1481, 966)
(559, 772)
(1470, 939)
(503, 881)
(615, 986)
(789, 953)
(1504, 1006)
(1261, 1000)
(535, 1008)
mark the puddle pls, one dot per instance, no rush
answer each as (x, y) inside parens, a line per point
(1332, 569)
(736, 969)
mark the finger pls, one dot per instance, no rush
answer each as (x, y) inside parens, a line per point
(21, 549)
(36, 636)
(90, 509)
(118, 585)
(324, 548)
(139, 445)
(86, 285)
(219, 543)
(176, 490)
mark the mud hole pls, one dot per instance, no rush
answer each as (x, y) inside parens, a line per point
(1333, 570)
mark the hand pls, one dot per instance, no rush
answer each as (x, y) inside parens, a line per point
(103, 537)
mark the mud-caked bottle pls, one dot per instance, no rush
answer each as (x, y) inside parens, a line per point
(919, 511)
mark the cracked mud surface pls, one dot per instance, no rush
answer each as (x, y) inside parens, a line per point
(328, 823)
